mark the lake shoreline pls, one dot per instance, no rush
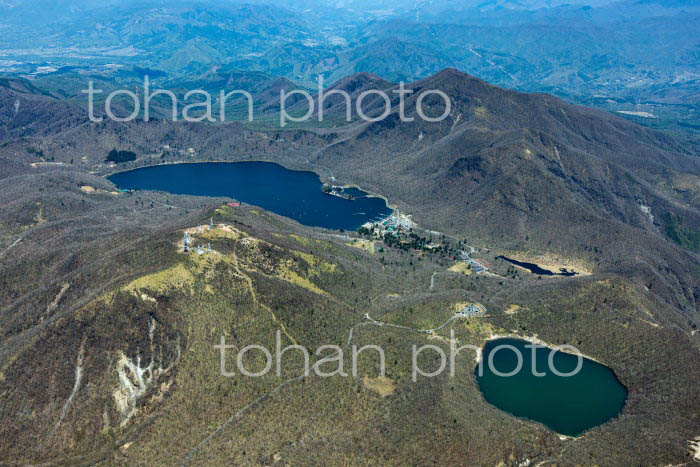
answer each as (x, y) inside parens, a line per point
(570, 405)
(302, 201)
(293, 166)
(536, 340)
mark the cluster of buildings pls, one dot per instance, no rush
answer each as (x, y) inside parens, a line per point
(398, 230)
(473, 264)
(472, 310)
(187, 248)
(395, 225)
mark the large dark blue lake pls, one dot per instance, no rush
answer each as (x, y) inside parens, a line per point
(289, 193)
(569, 405)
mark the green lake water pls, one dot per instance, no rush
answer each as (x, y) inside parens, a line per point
(567, 405)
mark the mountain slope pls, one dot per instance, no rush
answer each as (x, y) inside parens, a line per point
(24, 111)
(525, 171)
(122, 327)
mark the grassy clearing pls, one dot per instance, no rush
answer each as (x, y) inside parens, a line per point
(513, 309)
(304, 241)
(317, 265)
(177, 277)
(381, 385)
(219, 232)
(40, 218)
(288, 274)
(366, 245)
(482, 112)
(462, 267)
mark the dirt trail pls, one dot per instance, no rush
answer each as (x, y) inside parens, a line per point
(16, 242)
(369, 321)
(254, 295)
(76, 385)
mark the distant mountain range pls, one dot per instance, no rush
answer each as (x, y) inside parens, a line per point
(628, 55)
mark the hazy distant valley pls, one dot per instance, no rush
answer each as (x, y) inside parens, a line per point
(640, 57)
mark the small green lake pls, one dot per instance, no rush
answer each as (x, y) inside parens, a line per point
(568, 405)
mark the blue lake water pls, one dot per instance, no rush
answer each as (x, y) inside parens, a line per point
(567, 405)
(289, 193)
(535, 269)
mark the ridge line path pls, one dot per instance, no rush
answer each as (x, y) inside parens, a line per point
(369, 321)
(254, 295)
